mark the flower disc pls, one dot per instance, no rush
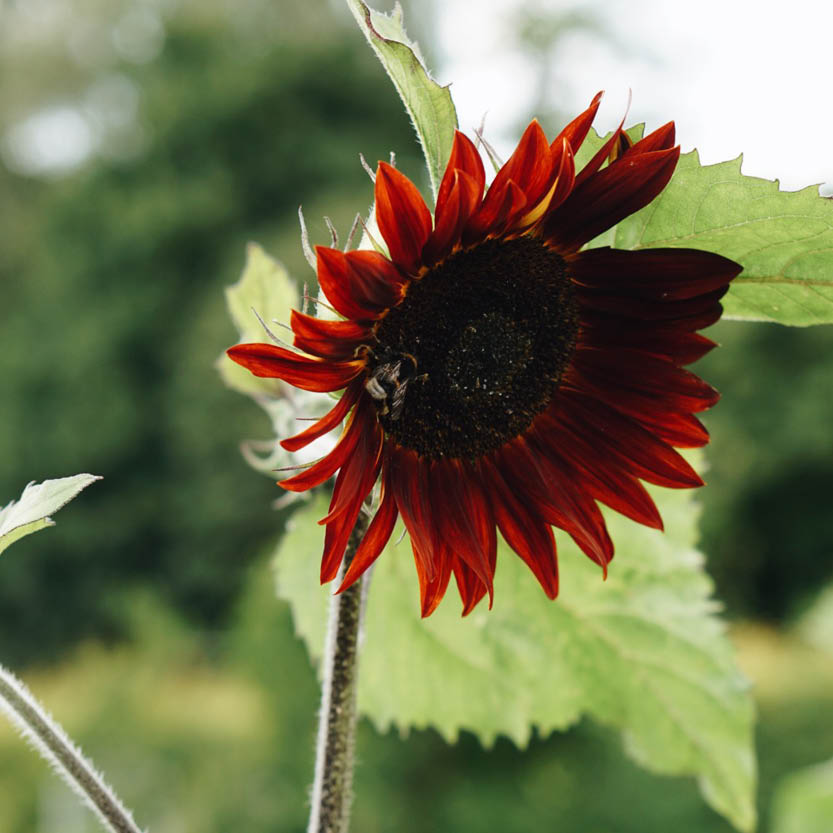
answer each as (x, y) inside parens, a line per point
(491, 329)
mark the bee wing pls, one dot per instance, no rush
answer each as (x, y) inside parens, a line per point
(398, 400)
(389, 373)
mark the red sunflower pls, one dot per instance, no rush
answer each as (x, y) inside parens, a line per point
(495, 375)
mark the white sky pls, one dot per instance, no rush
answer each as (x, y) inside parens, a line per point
(736, 75)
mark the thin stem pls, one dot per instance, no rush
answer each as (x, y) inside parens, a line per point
(332, 792)
(46, 735)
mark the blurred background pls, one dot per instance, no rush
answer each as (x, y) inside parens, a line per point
(142, 144)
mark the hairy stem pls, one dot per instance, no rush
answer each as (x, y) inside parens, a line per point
(46, 735)
(334, 758)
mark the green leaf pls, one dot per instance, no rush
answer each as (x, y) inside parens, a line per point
(803, 801)
(428, 104)
(39, 501)
(643, 651)
(783, 239)
(265, 287)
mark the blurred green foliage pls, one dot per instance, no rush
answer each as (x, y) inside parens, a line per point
(111, 318)
(114, 315)
(216, 734)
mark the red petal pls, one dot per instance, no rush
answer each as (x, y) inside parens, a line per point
(679, 430)
(582, 463)
(656, 274)
(602, 200)
(576, 131)
(432, 587)
(561, 503)
(523, 530)
(376, 282)
(452, 217)
(496, 213)
(356, 470)
(328, 421)
(361, 284)
(633, 376)
(469, 586)
(465, 520)
(601, 155)
(327, 339)
(377, 535)
(661, 139)
(354, 482)
(565, 178)
(362, 422)
(271, 361)
(465, 158)
(607, 331)
(624, 441)
(403, 219)
(530, 167)
(335, 278)
(409, 479)
(635, 307)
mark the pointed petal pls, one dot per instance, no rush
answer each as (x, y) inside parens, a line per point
(403, 218)
(560, 503)
(361, 284)
(377, 535)
(356, 470)
(451, 218)
(432, 587)
(602, 200)
(329, 421)
(624, 441)
(466, 159)
(563, 185)
(530, 167)
(576, 131)
(614, 333)
(601, 155)
(643, 309)
(463, 519)
(654, 274)
(661, 139)
(409, 479)
(469, 586)
(635, 377)
(336, 280)
(580, 462)
(327, 339)
(271, 361)
(496, 213)
(376, 282)
(353, 484)
(525, 532)
(362, 422)
(679, 430)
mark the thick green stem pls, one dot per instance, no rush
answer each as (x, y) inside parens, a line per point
(332, 792)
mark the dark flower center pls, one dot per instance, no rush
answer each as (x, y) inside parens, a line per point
(490, 331)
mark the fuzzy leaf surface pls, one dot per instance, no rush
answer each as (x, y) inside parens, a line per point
(428, 103)
(38, 501)
(783, 239)
(642, 652)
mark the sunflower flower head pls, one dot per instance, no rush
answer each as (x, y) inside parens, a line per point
(495, 374)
